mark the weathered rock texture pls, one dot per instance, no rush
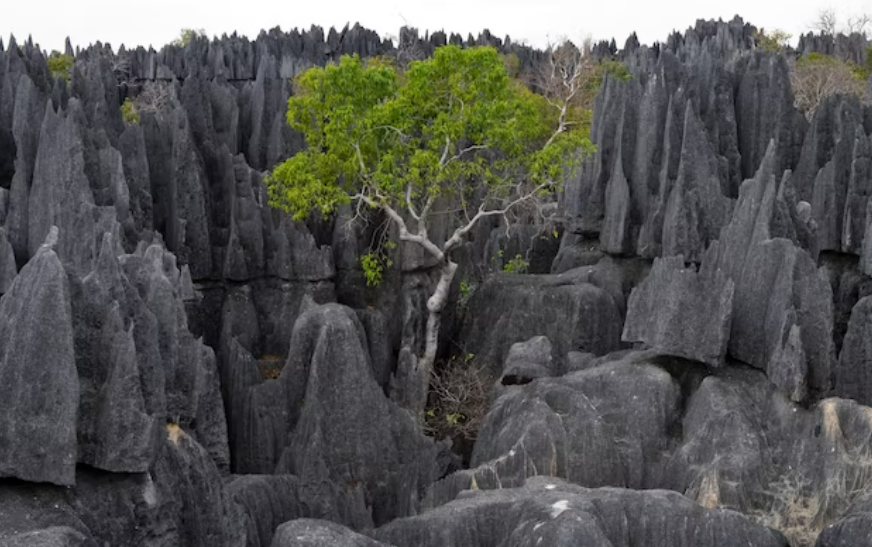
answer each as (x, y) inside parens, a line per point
(682, 312)
(161, 327)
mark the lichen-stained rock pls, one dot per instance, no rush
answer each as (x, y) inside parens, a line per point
(548, 511)
(115, 431)
(604, 426)
(60, 194)
(858, 193)
(314, 533)
(853, 373)
(267, 501)
(131, 144)
(342, 426)
(574, 314)
(854, 528)
(26, 124)
(8, 269)
(724, 452)
(616, 236)
(204, 513)
(777, 287)
(696, 208)
(529, 360)
(765, 112)
(682, 312)
(830, 138)
(39, 388)
(56, 536)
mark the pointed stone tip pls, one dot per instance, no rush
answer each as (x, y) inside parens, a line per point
(51, 240)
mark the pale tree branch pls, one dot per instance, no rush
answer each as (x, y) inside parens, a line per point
(462, 231)
(409, 204)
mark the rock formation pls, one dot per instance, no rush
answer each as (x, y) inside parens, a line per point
(685, 362)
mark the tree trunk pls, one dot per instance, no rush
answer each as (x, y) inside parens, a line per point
(435, 305)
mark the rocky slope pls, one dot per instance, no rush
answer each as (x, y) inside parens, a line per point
(180, 365)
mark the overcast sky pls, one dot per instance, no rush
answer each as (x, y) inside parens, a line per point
(156, 22)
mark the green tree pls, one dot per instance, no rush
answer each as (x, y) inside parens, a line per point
(60, 65)
(451, 135)
(817, 76)
(775, 40)
(188, 34)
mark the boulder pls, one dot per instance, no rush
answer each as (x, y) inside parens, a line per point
(549, 511)
(682, 312)
(57, 536)
(574, 314)
(267, 501)
(314, 533)
(853, 372)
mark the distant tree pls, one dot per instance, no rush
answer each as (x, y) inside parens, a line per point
(129, 112)
(453, 136)
(570, 79)
(827, 22)
(817, 76)
(188, 34)
(60, 65)
(775, 40)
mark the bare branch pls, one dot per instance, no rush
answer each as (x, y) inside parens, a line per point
(405, 234)
(445, 152)
(460, 232)
(409, 204)
(464, 151)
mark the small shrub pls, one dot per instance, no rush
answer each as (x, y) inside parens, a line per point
(374, 263)
(129, 112)
(459, 400)
(188, 34)
(60, 65)
(775, 41)
(516, 265)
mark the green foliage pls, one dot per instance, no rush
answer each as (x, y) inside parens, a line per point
(817, 76)
(867, 63)
(616, 69)
(819, 60)
(775, 41)
(188, 34)
(60, 65)
(129, 112)
(374, 263)
(373, 133)
(465, 290)
(516, 265)
(512, 64)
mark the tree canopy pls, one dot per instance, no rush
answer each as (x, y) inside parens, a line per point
(445, 127)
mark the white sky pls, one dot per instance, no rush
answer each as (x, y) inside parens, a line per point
(156, 22)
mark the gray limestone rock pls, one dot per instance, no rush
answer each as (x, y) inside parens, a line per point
(314, 533)
(267, 501)
(853, 373)
(529, 360)
(548, 511)
(777, 286)
(8, 269)
(57, 536)
(696, 208)
(573, 313)
(39, 387)
(340, 424)
(682, 312)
